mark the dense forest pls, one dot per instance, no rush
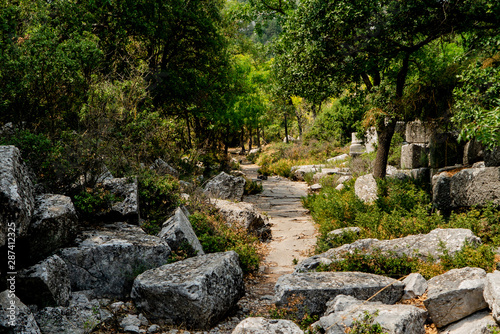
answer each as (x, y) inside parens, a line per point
(120, 83)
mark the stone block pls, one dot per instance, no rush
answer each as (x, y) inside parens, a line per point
(106, 261)
(455, 295)
(178, 230)
(310, 292)
(413, 156)
(418, 132)
(344, 311)
(196, 293)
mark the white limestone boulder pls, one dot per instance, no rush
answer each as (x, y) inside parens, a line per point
(455, 295)
(196, 292)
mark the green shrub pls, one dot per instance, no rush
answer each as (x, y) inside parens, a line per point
(280, 157)
(158, 197)
(215, 236)
(91, 202)
(376, 263)
(482, 256)
(403, 208)
(366, 325)
(252, 187)
(335, 123)
(49, 160)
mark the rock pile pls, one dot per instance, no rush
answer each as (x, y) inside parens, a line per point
(67, 273)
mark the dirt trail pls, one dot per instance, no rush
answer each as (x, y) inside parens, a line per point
(293, 231)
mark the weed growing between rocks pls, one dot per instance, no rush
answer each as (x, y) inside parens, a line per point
(403, 208)
(93, 201)
(366, 325)
(216, 235)
(290, 311)
(252, 187)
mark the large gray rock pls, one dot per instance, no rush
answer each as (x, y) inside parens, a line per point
(225, 186)
(478, 323)
(344, 311)
(46, 283)
(319, 171)
(80, 317)
(423, 246)
(177, 231)
(196, 292)
(16, 194)
(468, 187)
(162, 168)
(311, 291)
(413, 156)
(366, 189)
(126, 209)
(492, 293)
(343, 231)
(107, 261)
(455, 295)
(15, 317)
(245, 216)
(261, 325)
(54, 225)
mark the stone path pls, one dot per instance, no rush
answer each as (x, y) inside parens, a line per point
(293, 231)
(293, 237)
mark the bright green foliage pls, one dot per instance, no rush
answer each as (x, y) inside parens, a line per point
(335, 123)
(396, 266)
(375, 263)
(215, 236)
(92, 202)
(280, 157)
(372, 50)
(482, 256)
(477, 108)
(403, 208)
(158, 197)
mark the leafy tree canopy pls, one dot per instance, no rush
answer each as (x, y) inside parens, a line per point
(373, 48)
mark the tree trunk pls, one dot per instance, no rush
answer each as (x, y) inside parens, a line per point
(250, 139)
(297, 114)
(188, 131)
(226, 142)
(258, 137)
(384, 133)
(313, 110)
(242, 140)
(286, 130)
